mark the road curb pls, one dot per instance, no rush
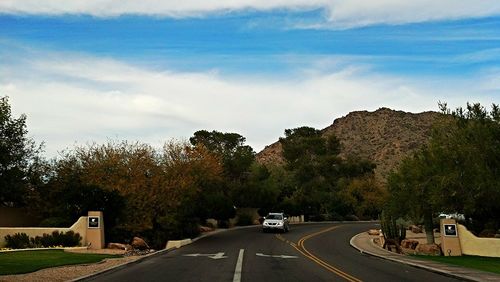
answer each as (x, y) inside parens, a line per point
(413, 264)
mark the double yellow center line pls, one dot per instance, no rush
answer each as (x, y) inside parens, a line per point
(303, 250)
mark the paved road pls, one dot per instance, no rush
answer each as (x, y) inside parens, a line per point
(309, 252)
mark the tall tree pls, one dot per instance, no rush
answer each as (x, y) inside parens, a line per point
(458, 171)
(236, 157)
(314, 163)
(19, 156)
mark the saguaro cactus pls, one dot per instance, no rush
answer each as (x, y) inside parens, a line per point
(393, 233)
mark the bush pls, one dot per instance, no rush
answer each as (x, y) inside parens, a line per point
(23, 241)
(351, 217)
(118, 235)
(245, 219)
(18, 241)
(55, 222)
(223, 223)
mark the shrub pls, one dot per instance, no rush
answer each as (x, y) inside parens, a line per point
(23, 241)
(351, 217)
(17, 241)
(245, 219)
(55, 222)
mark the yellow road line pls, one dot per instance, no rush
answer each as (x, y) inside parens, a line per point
(301, 248)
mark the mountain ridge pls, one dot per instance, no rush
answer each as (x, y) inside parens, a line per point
(384, 136)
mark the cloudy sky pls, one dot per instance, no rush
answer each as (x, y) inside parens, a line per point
(151, 70)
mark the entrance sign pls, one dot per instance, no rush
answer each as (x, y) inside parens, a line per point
(95, 230)
(450, 243)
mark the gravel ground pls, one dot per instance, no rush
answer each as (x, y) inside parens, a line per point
(65, 273)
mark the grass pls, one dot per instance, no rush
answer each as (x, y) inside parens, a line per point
(29, 261)
(475, 262)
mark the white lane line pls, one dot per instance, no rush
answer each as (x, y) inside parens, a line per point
(239, 266)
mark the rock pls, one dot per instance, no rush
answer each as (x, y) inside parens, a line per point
(409, 244)
(373, 232)
(205, 229)
(118, 246)
(138, 252)
(139, 244)
(428, 249)
(415, 229)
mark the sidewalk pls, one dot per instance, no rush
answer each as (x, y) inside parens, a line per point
(364, 243)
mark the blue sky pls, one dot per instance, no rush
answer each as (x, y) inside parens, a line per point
(98, 70)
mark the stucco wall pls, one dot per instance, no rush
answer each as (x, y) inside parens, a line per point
(80, 226)
(472, 245)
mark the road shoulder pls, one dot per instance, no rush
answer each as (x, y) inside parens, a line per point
(364, 243)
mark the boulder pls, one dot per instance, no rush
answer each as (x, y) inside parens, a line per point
(139, 244)
(118, 246)
(415, 229)
(428, 249)
(205, 229)
(409, 244)
(373, 232)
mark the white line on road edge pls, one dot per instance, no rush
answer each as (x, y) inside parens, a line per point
(239, 266)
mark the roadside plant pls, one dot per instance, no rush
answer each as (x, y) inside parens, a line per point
(18, 241)
(393, 233)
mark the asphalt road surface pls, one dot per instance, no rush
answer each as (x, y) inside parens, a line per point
(309, 252)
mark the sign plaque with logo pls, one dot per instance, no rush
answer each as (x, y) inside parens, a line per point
(450, 230)
(93, 222)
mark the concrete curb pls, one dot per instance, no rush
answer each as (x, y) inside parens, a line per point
(174, 245)
(410, 263)
(43, 249)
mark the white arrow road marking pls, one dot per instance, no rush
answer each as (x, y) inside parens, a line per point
(239, 266)
(212, 256)
(275, 256)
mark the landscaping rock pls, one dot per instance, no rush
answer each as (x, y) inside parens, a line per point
(139, 244)
(119, 246)
(409, 244)
(205, 229)
(136, 252)
(373, 232)
(415, 229)
(428, 249)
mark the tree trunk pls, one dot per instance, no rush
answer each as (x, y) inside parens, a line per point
(429, 227)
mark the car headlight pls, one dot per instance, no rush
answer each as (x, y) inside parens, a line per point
(279, 223)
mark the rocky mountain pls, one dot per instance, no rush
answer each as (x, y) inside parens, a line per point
(384, 137)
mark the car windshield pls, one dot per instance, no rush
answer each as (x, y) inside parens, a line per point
(274, 216)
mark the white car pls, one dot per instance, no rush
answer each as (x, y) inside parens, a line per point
(275, 221)
(457, 216)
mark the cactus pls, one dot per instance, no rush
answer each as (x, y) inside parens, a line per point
(393, 233)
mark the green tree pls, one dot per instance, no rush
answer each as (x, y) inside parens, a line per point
(236, 157)
(19, 157)
(314, 164)
(467, 154)
(458, 171)
(411, 191)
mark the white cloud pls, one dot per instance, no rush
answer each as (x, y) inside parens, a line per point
(84, 99)
(339, 13)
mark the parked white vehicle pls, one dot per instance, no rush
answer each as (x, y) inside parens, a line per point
(457, 216)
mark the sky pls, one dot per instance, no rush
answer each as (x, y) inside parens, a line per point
(151, 71)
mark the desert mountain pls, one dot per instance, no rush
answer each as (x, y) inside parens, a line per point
(384, 137)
